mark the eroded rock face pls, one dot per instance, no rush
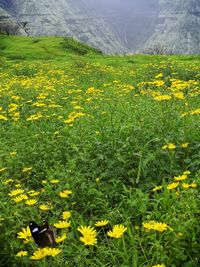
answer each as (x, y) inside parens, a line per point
(74, 18)
(113, 26)
(178, 30)
(9, 25)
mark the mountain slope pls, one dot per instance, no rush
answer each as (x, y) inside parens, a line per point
(65, 18)
(113, 26)
(9, 25)
(179, 28)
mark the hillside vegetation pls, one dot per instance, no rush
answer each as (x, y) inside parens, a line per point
(106, 148)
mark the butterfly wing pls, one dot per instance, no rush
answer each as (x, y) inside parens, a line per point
(35, 230)
(42, 235)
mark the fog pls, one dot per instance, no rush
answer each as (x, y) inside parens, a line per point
(124, 6)
(133, 20)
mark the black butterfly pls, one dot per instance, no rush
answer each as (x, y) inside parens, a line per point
(43, 235)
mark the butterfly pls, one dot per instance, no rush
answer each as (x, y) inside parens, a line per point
(43, 235)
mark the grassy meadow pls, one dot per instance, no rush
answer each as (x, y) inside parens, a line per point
(106, 148)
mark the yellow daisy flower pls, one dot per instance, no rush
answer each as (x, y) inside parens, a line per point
(22, 253)
(193, 185)
(101, 223)
(170, 146)
(62, 224)
(185, 185)
(44, 207)
(25, 234)
(185, 145)
(55, 181)
(33, 193)
(39, 254)
(16, 192)
(61, 238)
(186, 172)
(159, 265)
(86, 230)
(89, 240)
(172, 186)
(117, 231)
(157, 226)
(27, 169)
(65, 193)
(53, 251)
(20, 198)
(180, 177)
(66, 215)
(8, 181)
(31, 202)
(157, 188)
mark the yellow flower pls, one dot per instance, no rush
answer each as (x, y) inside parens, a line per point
(55, 181)
(25, 234)
(162, 97)
(53, 251)
(157, 188)
(160, 75)
(170, 146)
(39, 254)
(8, 181)
(172, 186)
(65, 193)
(31, 202)
(3, 169)
(89, 240)
(117, 231)
(185, 145)
(22, 253)
(27, 169)
(61, 238)
(157, 226)
(101, 223)
(44, 207)
(186, 172)
(33, 193)
(62, 224)
(35, 117)
(193, 185)
(180, 177)
(43, 252)
(16, 192)
(14, 153)
(44, 181)
(89, 235)
(20, 198)
(87, 230)
(185, 185)
(159, 265)
(66, 215)
(179, 95)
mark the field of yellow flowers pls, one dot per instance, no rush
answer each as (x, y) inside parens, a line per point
(105, 148)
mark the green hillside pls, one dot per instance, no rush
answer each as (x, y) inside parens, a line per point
(106, 148)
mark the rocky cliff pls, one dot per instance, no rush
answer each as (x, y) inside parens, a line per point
(74, 18)
(9, 25)
(113, 26)
(178, 28)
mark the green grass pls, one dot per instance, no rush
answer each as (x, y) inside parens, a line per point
(101, 126)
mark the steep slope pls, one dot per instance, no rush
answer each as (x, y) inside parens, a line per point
(134, 21)
(113, 26)
(73, 18)
(179, 28)
(9, 25)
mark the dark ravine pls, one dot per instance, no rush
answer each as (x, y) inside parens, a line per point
(113, 26)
